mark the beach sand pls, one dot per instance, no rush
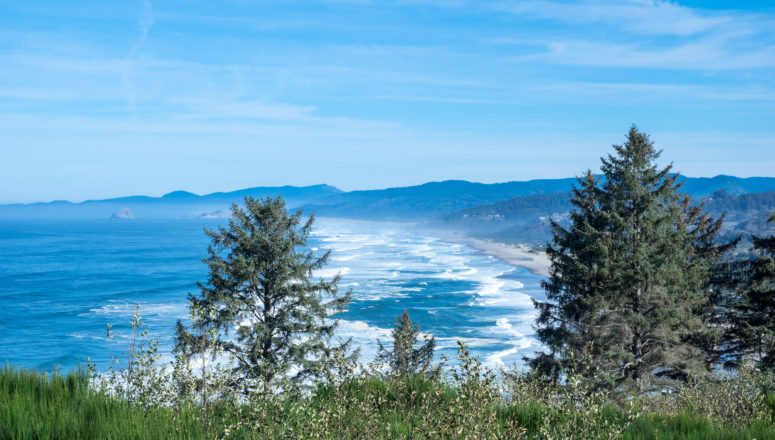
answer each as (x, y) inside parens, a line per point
(516, 255)
(523, 256)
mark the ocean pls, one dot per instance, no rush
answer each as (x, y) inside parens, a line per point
(62, 282)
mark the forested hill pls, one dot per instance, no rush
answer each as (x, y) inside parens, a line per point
(176, 204)
(438, 199)
(428, 201)
(703, 186)
(527, 219)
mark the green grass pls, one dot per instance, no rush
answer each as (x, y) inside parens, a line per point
(54, 406)
(690, 427)
(35, 405)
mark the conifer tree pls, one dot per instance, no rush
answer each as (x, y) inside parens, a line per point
(752, 314)
(628, 295)
(262, 301)
(404, 359)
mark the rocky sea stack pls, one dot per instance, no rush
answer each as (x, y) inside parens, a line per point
(123, 214)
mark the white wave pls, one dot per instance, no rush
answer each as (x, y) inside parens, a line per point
(448, 274)
(497, 357)
(519, 343)
(331, 272)
(345, 258)
(524, 325)
(145, 309)
(501, 292)
(451, 342)
(361, 330)
(491, 302)
(505, 326)
(364, 337)
(344, 247)
(379, 296)
(490, 287)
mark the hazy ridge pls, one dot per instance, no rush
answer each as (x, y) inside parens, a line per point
(512, 211)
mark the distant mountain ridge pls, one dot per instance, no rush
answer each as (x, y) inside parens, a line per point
(527, 219)
(430, 200)
(176, 204)
(437, 199)
(703, 186)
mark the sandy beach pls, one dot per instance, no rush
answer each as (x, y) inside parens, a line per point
(516, 255)
(523, 256)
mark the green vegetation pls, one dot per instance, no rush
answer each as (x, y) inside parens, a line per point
(262, 289)
(404, 359)
(629, 290)
(42, 406)
(468, 402)
(526, 219)
(751, 308)
(641, 314)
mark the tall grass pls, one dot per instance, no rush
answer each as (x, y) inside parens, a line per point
(149, 400)
(471, 402)
(37, 405)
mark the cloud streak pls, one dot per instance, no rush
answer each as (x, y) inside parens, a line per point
(703, 54)
(145, 22)
(650, 17)
(487, 90)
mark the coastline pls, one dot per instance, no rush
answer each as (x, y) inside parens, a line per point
(536, 262)
(520, 255)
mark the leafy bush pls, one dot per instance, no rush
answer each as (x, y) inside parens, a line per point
(353, 401)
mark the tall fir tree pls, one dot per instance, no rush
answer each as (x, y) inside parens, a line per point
(751, 329)
(628, 292)
(263, 304)
(404, 359)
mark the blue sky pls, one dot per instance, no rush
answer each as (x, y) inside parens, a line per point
(102, 99)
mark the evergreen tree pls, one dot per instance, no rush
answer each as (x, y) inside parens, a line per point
(404, 359)
(752, 315)
(262, 303)
(628, 296)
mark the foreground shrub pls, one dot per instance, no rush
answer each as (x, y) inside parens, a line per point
(738, 398)
(148, 399)
(361, 406)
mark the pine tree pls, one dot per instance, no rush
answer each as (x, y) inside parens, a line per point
(404, 359)
(752, 314)
(628, 295)
(262, 302)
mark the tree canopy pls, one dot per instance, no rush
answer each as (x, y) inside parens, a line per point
(404, 359)
(270, 311)
(751, 319)
(628, 292)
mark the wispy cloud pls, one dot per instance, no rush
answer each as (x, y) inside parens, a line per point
(646, 34)
(661, 91)
(654, 17)
(480, 89)
(704, 54)
(240, 109)
(145, 22)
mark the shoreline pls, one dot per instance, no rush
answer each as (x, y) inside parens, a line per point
(523, 256)
(516, 255)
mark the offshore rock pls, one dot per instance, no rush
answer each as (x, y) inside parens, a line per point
(123, 214)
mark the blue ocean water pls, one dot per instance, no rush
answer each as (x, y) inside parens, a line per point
(62, 282)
